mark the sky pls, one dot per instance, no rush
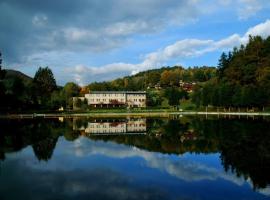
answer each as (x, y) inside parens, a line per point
(92, 40)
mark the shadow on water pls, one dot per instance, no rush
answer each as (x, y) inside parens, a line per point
(243, 144)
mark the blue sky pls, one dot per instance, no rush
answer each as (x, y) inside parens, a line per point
(91, 40)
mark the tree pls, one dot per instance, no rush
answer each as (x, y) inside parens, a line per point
(153, 78)
(70, 90)
(196, 96)
(164, 79)
(222, 64)
(153, 98)
(173, 95)
(44, 84)
(78, 103)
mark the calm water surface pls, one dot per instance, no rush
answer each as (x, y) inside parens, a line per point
(181, 158)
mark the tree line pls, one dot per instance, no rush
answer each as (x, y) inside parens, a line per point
(21, 93)
(243, 78)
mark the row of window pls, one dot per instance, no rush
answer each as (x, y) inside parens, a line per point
(122, 126)
(112, 100)
(139, 100)
(106, 100)
(117, 95)
(104, 126)
(108, 95)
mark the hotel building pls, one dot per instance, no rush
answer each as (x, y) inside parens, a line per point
(116, 98)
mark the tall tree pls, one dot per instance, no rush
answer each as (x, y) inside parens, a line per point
(174, 95)
(44, 84)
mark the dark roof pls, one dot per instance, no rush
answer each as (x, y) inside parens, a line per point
(117, 92)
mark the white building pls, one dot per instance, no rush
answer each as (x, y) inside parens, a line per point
(116, 98)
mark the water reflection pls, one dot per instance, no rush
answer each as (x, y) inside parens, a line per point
(188, 153)
(110, 127)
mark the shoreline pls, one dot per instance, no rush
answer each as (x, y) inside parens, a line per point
(131, 114)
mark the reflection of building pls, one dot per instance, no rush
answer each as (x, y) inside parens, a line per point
(134, 126)
(115, 98)
(189, 135)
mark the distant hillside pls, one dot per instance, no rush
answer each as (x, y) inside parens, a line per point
(10, 74)
(162, 77)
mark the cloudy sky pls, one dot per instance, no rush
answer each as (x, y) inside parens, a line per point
(94, 40)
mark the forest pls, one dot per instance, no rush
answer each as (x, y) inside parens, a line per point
(243, 78)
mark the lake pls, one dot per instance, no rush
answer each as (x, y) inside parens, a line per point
(135, 158)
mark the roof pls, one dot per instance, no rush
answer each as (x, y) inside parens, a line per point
(117, 92)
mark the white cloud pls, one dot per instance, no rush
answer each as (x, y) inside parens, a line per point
(85, 26)
(262, 29)
(182, 49)
(245, 9)
(40, 20)
(127, 28)
(249, 8)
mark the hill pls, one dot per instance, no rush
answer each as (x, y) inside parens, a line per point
(12, 74)
(161, 78)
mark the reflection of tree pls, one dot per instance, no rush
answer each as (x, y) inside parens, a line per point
(2, 155)
(246, 151)
(80, 122)
(41, 133)
(71, 135)
(44, 149)
(165, 136)
(244, 144)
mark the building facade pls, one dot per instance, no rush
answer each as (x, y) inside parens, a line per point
(116, 98)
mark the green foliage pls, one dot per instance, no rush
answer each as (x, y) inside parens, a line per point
(166, 77)
(243, 78)
(44, 81)
(44, 85)
(154, 98)
(174, 95)
(80, 104)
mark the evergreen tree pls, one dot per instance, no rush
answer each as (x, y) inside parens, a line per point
(44, 85)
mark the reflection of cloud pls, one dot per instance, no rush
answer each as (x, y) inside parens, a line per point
(265, 191)
(182, 168)
(71, 173)
(34, 184)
